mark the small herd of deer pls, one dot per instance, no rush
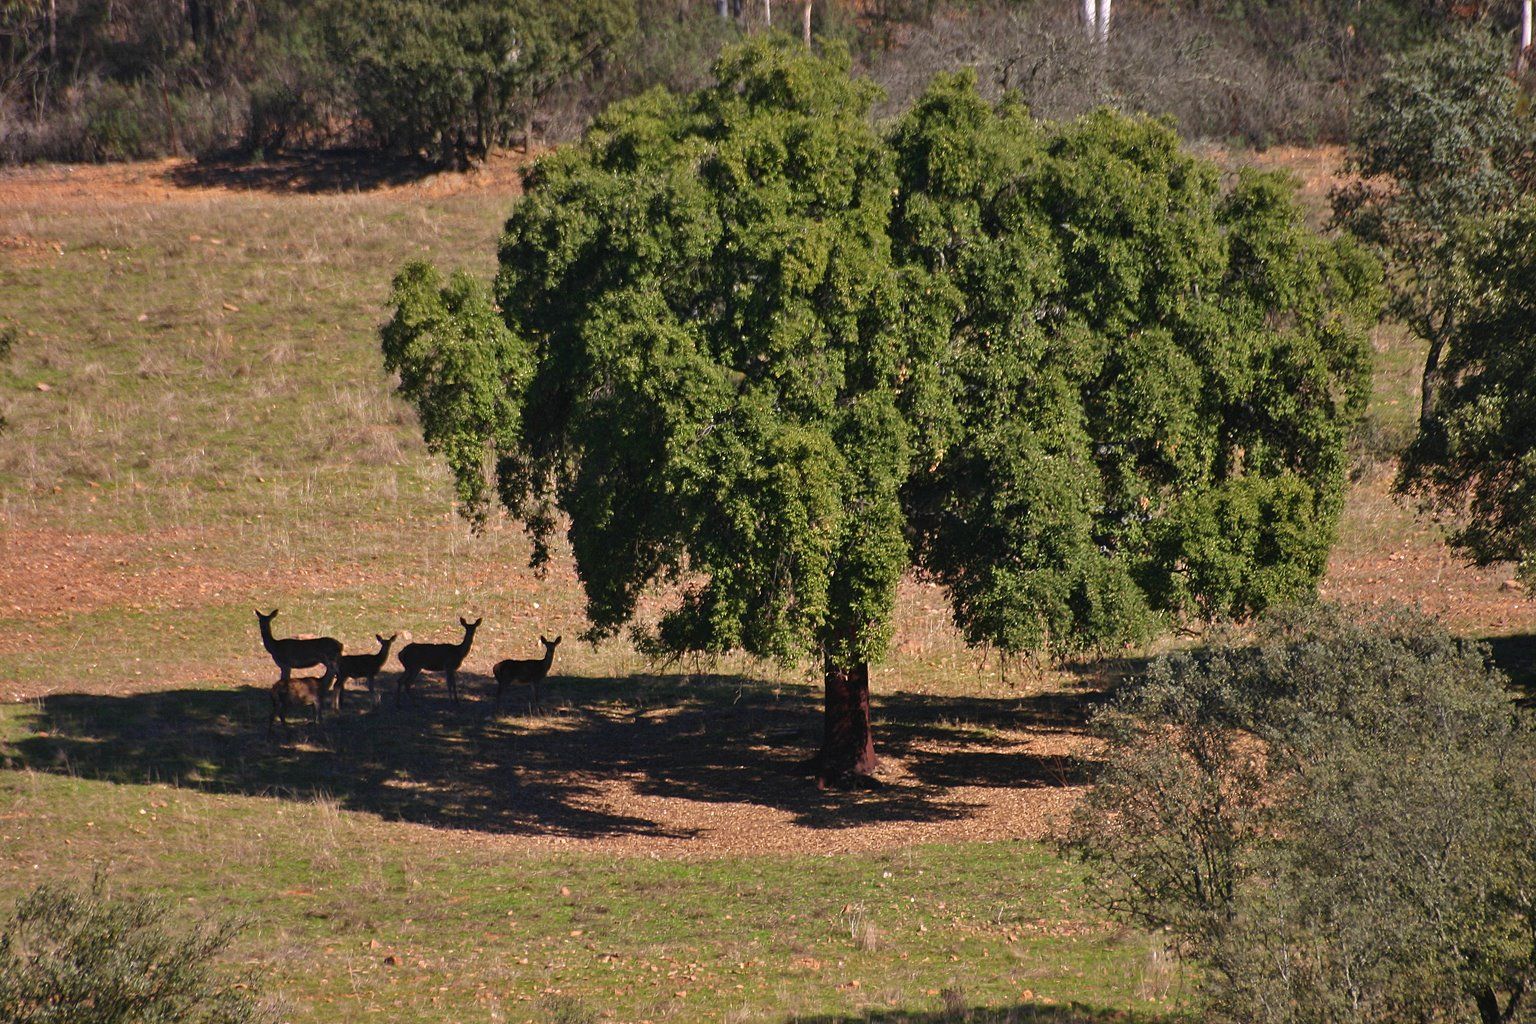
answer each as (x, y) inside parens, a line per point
(291, 653)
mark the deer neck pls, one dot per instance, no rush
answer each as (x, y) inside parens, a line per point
(266, 634)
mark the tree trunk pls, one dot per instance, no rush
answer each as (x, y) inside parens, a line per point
(806, 15)
(1103, 23)
(847, 745)
(1429, 386)
(723, 7)
(1523, 61)
(768, 13)
(1090, 20)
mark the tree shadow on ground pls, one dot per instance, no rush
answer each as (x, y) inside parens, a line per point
(1515, 656)
(714, 739)
(322, 171)
(1019, 1013)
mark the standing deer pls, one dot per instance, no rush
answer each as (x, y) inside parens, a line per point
(362, 666)
(290, 693)
(529, 671)
(292, 653)
(444, 658)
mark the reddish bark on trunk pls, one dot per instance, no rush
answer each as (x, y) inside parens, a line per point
(847, 745)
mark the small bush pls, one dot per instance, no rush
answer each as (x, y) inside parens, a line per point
(1335, 818)
(79, 956)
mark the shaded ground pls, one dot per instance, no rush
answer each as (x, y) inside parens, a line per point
(181, 179)
(709, 764)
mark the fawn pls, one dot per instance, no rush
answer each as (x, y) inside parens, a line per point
(529, 671)
(444, 658)
(362, 666)
(290, 693)
(292, 653)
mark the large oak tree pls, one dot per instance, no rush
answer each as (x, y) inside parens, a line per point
(755, 349)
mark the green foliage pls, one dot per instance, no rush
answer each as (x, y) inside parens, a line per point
(780, 358)
(1480, 464)
(462, 369)
(80, 956)
(450, 79)
(1445, 137)
(707, 282)
(1134, 388)
(1335, 817)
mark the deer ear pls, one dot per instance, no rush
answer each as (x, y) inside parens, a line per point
(557, 639)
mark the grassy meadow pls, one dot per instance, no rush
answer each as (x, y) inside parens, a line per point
(200, 425)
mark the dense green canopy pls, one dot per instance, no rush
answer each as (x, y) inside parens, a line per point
(779, 357)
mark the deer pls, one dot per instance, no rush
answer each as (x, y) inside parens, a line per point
(290, 693)
(362, 666)
(529, 671)
(444, 658)
(291, 653)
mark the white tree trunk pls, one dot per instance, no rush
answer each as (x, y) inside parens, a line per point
(1103, 23)
(1525, 36)
(1090, 20)
(723, 7)
(768, 13)
(807, 22)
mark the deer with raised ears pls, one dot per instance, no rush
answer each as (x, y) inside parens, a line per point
(362, 666)
(291, 653)
(531, 671)
(444, 658)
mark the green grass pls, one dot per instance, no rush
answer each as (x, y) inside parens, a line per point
(356, 910)
(218, 429)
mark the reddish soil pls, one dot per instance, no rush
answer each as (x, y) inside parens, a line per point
(180, 179)
(1011, 779)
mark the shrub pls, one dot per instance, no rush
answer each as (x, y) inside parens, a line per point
(1336, 818)
(80, 956)
(452, 80)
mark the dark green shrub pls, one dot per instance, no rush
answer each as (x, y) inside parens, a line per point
(117, 125)
(450, 80)
(80, 956)
(1335, 817)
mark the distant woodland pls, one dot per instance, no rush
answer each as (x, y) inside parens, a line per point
(450, 80)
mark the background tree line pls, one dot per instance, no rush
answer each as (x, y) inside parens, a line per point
(114, 79)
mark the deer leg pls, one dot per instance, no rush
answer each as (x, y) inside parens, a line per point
(453, 689)
(331, 678)
(403, 684)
